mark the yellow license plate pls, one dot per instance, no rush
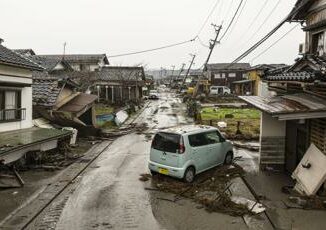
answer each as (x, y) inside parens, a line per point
(163, 171)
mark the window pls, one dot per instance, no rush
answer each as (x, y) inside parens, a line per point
(318, 43)
(232, 75)
(197, 140)
(10, 102)
(223, 75)
(213, 138)
(217, 76)
(166, 142)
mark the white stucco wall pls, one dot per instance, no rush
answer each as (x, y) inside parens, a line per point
(271, 127)
(17, 75)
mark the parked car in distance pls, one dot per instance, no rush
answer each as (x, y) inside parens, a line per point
(185, 151)
(219, 90)
(153, 94)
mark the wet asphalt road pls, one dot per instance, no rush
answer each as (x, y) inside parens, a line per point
(110, 196)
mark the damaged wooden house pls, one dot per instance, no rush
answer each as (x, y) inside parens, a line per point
(117, 85)
(17, 134)
(58, 100)
(55, 96)
(295, 117)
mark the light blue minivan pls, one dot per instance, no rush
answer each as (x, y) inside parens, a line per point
(186, 151)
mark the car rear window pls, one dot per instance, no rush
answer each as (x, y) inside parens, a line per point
(166, 142)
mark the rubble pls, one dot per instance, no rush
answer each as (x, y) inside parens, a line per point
(210, 190)
(139, 129)
(311, 172)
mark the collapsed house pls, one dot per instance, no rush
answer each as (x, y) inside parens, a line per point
(55, 97)
(57, 100)
(17, 134)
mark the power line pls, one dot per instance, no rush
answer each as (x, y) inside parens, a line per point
(202, 43)
(154, 49)
(263, 23)
(232, 20)
(255, 46)
(268, 48)
(239, 15)
(229, 10)
(207, 18)
(255, 18)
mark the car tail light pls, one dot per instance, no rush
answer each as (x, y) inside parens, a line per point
(182, 147)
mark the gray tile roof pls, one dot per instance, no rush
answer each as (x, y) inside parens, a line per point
(300, 10)
(45, 91)
(228, 66)
(292, 76)
(48, 64)
(9, 57)
(24, 51)
(121, 73)
(268, 66)
(306, 69)
(78, 58)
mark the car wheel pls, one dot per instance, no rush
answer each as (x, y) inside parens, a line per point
(228, 158)
(189, 175)
(153, 173)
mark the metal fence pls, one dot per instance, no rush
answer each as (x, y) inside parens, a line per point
(7, 115)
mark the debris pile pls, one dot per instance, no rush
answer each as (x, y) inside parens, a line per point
(138, 128)
(211, 189)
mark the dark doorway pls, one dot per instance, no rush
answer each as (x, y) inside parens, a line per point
(297, 143)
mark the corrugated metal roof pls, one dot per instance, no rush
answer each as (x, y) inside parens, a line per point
(288, 104)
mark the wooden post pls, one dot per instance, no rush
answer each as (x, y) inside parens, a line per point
(112, 99)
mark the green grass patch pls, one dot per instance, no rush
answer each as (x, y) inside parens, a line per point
(249, 121)
(102, 110)
(219, 113)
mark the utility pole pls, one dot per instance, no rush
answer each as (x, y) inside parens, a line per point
(64, 49)
(173, 67)
(182, 69)
(212, 44)
(191, 63)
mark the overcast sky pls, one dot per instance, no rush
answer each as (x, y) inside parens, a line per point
(122, 26)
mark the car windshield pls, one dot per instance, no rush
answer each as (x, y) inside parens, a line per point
(166, 142)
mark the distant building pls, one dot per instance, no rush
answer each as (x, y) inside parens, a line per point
(253, 84)
(224, 74)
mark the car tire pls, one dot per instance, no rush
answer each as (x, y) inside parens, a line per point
(189, 175)
(228, 158)
(153, 172)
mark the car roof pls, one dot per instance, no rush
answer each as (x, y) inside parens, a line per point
(188, 129)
